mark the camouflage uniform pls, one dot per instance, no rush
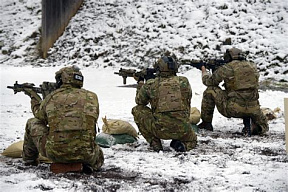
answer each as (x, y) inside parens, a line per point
(240, 97)
(71, 115)
(170, 99)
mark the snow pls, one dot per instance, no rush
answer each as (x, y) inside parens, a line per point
(132, 34)
(225, 163)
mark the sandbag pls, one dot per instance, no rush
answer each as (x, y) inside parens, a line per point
(107, 140)
(194, 116)
(269, 113)
(15, 151)
(116, 126)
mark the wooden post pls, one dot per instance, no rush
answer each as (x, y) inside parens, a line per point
(286, 121)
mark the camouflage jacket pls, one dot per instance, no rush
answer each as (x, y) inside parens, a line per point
(240, 80)
(71, 115)
(170, 95)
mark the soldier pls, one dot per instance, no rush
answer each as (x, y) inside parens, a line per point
(240, 97)
(170, 97)
(64, 125)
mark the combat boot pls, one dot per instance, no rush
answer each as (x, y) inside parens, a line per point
(255, 129)
(156, 145)
(247, 126)
(87, 169)
(206, 125)
(31, 162)
(177, 145)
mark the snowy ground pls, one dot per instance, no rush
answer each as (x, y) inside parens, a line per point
(107, 34)
(222, 161)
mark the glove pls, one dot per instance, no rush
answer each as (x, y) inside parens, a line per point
(140, 79)
(139, 85)
(32, 94)
(28, 91)
(135, 77)
(149, 75)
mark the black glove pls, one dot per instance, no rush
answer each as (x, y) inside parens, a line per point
(140, 78)
(149, 76)
(198, 65)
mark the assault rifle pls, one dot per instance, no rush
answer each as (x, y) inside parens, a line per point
(44, 89)
(211, 64)
(145, 74)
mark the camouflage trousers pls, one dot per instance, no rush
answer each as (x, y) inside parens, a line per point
(161, 126)
(35, 138)
(231, 107)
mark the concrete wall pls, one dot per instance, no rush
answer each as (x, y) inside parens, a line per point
(55, 17)
(286, 122)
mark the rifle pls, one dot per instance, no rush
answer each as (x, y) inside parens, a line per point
(145, 74)
(44, 89)
(211, 64)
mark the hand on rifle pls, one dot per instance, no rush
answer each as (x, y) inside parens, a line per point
(203, 68)
(31, 93)
(138, 78)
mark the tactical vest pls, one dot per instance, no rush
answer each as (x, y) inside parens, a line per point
(245, 76)
(71, 115)
(70, 111)
(169, 95)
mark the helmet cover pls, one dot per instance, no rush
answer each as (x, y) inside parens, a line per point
(70, 75)
(166, 64)
(234, 54)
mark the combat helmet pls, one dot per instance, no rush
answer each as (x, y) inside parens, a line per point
(234, 54)
(69, 75)
(166, 64)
